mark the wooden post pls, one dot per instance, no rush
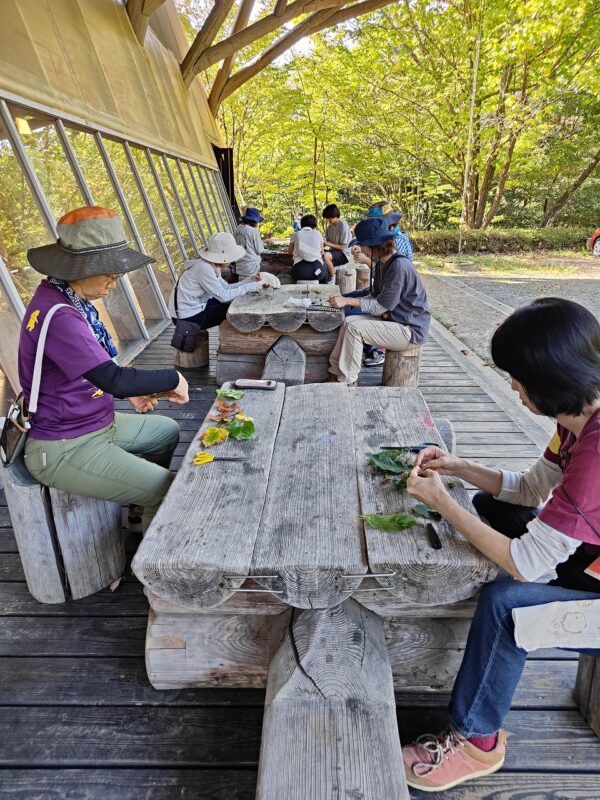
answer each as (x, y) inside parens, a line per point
(330, 728)
(402, 368)
(346, 279)
(587, 690)
(285, 362)
(199, 358)
(363, 277)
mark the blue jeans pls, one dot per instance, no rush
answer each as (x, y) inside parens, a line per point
(492, 664)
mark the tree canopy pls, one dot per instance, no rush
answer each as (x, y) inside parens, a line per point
(392, 104)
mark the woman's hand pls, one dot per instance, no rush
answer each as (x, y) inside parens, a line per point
(337, 301)
(426, 486)
(438, 460)
(143, 404)
(180, 393)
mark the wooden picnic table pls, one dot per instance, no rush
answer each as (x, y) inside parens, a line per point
(256, 321)
(261, 570)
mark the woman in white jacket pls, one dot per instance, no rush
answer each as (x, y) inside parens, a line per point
(201, 295)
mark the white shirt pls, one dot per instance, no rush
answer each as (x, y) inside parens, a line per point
(309, 243)
(198, 283)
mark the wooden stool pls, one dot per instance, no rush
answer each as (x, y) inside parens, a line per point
(70, 546)
(199, 358)
(402, 368)
(345, 278)
(587, 690)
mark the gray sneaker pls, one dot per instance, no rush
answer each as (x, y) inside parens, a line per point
(374, 359)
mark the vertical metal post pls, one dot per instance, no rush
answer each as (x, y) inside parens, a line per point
(207, 195)
(10, 291)
(190, 200)
(165, 203)
(226, 202)
(216, 179)
(184, 215)
(116, 184)
(28, 171)
(191, 168)
(124, 284)
(216, 200)
(149, 209)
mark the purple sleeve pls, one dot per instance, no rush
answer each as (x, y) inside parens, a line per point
(71, 345)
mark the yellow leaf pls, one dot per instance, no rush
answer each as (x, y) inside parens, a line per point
(244, 418)
(213, 436)
(203, 458)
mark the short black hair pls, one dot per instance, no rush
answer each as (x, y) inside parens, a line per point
(552, 347)
(250, 222)
(308, 221)
(331, 211)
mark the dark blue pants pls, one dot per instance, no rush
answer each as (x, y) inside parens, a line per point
(310, 271)
(214, 314)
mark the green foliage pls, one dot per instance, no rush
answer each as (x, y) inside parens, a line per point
(241, 429)
(423, 510)
(231, 394)
(498, 240)
(390, 523)
(390, 462)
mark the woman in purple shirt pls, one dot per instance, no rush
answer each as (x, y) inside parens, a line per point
(77, 442)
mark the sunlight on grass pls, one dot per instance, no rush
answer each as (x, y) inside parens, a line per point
(523, 264)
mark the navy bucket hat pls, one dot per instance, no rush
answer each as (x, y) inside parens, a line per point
(384, 209)
(252, 215)
(372, 231)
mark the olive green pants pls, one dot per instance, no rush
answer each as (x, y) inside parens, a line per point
(105, 464)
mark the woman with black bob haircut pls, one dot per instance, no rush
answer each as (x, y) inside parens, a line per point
(542, 526)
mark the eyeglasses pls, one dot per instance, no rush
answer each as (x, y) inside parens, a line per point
(112, 281)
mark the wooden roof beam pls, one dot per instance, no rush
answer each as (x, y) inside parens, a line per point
(315, 23)
(280, 7)
(139, 12)
(200, 56)
(205, 37)
(224, 73)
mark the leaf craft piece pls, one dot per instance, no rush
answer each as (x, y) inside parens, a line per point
(241, 428)
(390, 522)
(393, 462)
(231, 394)
(423, 510)
(212, 436)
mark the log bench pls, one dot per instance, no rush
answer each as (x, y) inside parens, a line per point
(277, 582)
(70, 546)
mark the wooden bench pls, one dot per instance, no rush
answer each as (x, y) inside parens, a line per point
(70, 546)
(402, 368)
(198, 358)
(587, 690)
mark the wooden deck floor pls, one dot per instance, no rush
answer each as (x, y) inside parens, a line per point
(78, 718)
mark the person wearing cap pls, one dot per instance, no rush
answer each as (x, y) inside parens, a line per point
(77, 442)
(201, 294)
(397, 312)
(248, 237)
(306, 249)
(337, 239)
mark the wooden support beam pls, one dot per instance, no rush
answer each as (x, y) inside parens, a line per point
(280, 7)
(224, 72)
(139, 12)
(205, 37)
(327, 18)
(285, 362)
(200, 56)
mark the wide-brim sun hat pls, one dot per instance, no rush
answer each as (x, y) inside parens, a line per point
(91, 241)
(252, 214)
(383, 208)
(372, 231)
(222, 248)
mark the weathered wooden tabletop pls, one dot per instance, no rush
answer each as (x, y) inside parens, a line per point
(269, 307)
(289, 515)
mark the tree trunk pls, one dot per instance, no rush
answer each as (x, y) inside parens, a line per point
(566, 196)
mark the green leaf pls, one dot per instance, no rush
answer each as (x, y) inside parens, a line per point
(390, 461)
(214, 435)
(231, 394)
(426, 511)
(390, 522)
(241, 429)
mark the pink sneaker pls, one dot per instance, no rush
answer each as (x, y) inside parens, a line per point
(437, 763)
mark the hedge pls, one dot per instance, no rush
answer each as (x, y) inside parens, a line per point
(507, 240)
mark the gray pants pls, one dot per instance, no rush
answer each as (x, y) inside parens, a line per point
(105, 464)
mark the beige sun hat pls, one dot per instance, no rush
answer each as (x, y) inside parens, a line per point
(91, 241)
(222, 249)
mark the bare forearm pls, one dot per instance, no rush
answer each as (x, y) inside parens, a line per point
(486, 478)
(493, 545)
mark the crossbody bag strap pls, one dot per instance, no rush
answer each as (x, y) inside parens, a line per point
(175, 297)
(39, 356)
